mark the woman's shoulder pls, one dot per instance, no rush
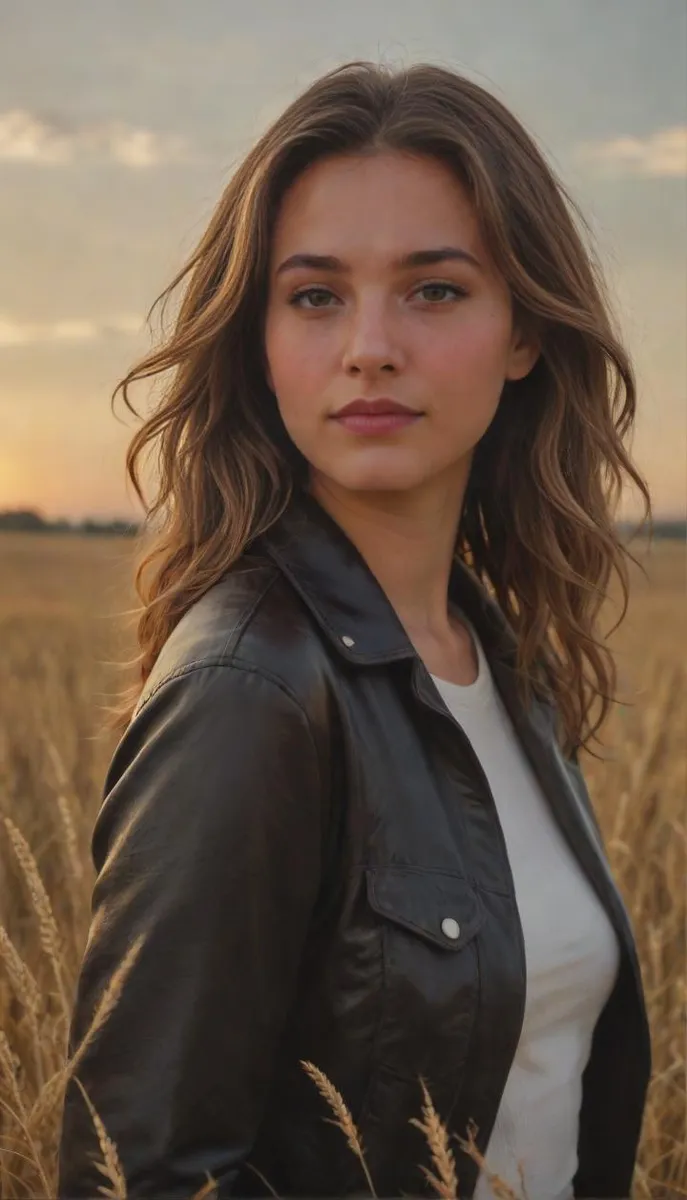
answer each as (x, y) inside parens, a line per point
(249, 619)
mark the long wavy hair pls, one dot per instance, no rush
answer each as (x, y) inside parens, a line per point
(537, 525)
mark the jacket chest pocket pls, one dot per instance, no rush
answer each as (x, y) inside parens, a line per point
(430, 921)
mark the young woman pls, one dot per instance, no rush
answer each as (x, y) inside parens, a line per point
(345, 821)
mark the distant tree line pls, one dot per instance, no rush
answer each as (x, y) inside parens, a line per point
(29, 521)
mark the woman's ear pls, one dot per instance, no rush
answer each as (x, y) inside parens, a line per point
(524, 352)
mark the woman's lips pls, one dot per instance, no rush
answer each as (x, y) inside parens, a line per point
(379, 423)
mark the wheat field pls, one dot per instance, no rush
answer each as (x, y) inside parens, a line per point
(62, 629)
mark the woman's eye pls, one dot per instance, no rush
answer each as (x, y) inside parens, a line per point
(295, 300)
(442, 287)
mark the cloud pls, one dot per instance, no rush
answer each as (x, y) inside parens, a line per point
(26, 137)
(66, 331)
(662, 154)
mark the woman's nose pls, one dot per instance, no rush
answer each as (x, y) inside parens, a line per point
(371, 340)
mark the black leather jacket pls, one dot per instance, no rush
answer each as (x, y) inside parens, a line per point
(288, 818)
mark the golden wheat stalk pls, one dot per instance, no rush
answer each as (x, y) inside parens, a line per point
(53, 1089)
(446, 1185)
(110, 1167)
(19, 974)
(50, 938)
(9, 1064)
(207, 1188)
(343, 1118)
(64, 808)
(71, 840)
(260, 1176)
(27, 992)
(502, 1190)
(57, 763)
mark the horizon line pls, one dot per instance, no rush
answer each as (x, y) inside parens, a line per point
(119, 518)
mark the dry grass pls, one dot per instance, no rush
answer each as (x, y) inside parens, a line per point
(60, 631)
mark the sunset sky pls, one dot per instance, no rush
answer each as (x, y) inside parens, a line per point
(120, 124)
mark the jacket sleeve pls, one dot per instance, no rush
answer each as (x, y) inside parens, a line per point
(209, 844)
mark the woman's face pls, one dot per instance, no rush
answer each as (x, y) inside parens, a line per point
(438, 336)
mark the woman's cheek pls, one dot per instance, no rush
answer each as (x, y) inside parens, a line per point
(298, 362)
(480, 352)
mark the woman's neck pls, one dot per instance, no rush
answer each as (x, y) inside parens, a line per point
(408, 543)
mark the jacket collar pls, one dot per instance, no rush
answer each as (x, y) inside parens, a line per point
(344, 596)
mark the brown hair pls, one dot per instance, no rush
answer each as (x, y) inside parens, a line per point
(537, 525)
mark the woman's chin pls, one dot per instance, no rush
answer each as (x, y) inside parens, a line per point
(375, 481)
(379, 473)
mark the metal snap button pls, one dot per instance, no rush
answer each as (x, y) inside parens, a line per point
(451, 928)
(348, 641)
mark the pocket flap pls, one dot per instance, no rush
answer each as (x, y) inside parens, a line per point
(446, 909)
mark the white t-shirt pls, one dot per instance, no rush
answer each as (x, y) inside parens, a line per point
(571, 953)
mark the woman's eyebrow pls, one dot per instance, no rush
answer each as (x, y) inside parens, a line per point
(416, 258)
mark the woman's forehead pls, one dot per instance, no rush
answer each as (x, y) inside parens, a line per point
(348, 210)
